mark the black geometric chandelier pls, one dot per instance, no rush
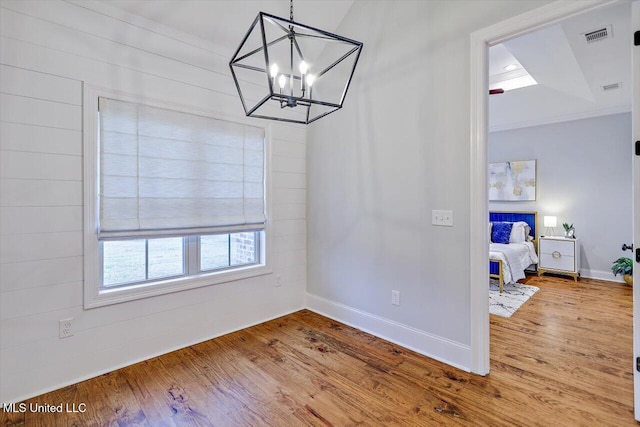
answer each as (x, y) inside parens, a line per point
(292, 72)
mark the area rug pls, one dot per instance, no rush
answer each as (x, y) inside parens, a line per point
(511, 299)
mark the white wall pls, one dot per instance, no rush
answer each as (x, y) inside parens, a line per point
(376, 169)
(47, 49)
(584, 178)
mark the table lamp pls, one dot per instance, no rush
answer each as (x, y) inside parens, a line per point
(550, 222)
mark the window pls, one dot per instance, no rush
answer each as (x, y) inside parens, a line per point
(134, 261)
(175, 200)
(127, 262)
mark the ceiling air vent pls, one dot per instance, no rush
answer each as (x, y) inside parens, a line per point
(611, 86)
(598, 35)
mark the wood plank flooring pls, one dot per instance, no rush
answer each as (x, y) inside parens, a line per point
(564, 358)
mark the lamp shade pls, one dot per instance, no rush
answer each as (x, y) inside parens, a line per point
(550, 221)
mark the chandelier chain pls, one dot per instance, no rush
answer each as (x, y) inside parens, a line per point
(290, 10)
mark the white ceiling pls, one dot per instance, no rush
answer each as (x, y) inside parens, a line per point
(570, 72)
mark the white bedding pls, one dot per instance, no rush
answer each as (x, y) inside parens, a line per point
(515, 258)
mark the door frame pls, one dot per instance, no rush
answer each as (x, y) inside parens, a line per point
(479, 245)
(635, 120)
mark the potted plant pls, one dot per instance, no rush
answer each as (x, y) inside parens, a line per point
(623, 266)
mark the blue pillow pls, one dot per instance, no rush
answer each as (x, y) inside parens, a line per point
(501, 231)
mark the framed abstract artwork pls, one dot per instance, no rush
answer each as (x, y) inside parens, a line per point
(512, 181)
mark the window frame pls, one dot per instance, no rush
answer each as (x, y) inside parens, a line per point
(97, 296)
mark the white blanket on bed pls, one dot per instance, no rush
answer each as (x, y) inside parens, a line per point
(515, 258)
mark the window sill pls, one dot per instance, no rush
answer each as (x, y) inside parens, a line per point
(106, 297)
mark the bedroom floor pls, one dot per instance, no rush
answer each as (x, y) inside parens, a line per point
(564, 358)
(569, 348)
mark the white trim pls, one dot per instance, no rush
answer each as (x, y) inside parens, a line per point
(479, 203)
(438, 348)
(607, 276)
(635, 120)
(94, 296)
(91, 249)
(563, 118)
(480, 42)
(147, 357)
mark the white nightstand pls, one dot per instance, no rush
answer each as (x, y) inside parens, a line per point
(559, 255)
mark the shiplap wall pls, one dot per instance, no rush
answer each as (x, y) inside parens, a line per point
(47, 49)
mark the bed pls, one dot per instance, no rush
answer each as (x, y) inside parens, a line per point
(509, 257)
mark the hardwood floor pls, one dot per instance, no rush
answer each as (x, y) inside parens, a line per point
(564, 358)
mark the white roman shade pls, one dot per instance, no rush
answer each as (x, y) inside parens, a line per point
(164, 172)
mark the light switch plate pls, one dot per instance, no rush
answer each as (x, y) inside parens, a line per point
(442, 218)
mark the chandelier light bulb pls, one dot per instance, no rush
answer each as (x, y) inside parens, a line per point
(303, 67)
(274, 71)
(282, 81)
(310, 79)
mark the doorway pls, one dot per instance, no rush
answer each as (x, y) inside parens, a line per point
(565, 110)
(480, 42)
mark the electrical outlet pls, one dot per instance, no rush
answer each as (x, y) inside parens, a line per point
(65, 328)
(395, 297)
(278, 281)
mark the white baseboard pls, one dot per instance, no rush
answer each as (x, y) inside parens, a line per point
(433, 346)
(600, 275)
(438, 348)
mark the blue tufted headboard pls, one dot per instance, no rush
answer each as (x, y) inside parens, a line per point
(528, 217)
